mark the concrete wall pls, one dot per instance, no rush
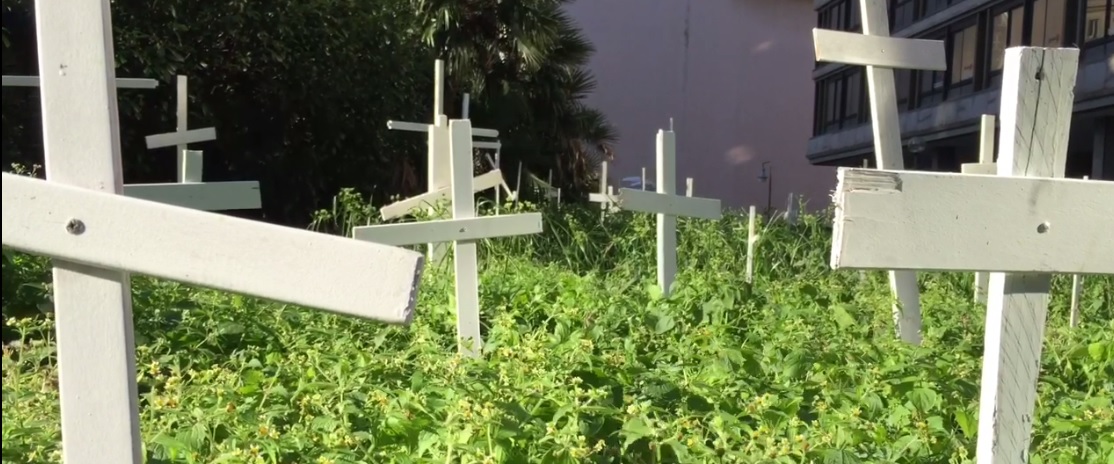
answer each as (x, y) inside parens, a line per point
(736, 76)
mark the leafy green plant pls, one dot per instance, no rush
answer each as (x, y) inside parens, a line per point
(584, 361)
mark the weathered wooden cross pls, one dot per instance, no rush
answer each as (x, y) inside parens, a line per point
(97, 236)
(667, 205)
(606, 195)
(437, 164)
(1020, 226)
(464, 230)
(190, 191)
(881, 54)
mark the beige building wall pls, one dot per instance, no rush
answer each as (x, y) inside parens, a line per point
(734, 74)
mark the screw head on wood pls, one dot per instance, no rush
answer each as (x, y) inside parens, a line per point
(1043, 227)
(75, 227)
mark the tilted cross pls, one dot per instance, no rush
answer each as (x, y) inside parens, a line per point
(881, 54)
(97, 237)
(437, 165)
(1020, 226)
(667, 205)
(190, 191)
(464, 230)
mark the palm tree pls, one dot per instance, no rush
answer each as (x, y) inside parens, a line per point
(524, 64)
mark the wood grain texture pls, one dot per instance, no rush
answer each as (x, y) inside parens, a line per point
(93, 309)
(1037, 95)
(212, 196)
(365, 280)
(962, 222)
(121, 82)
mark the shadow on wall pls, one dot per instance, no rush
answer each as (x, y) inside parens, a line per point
(736, 76)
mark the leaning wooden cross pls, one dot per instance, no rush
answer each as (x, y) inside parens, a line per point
(437, 164)
(190, 191)
(882, 54)
(97, 236)
(464, 230)
(1020, 226)
(667, 205)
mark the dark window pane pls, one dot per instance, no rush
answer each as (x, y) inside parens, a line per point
(1094, 19)
(854, 96)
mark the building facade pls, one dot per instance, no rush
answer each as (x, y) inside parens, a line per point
(735, 77)
(940, 111)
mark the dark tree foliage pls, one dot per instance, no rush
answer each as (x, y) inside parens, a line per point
(300, 91)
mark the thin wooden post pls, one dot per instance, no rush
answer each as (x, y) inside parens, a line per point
(752, 238)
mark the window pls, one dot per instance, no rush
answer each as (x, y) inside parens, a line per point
(963, 47)
(1005, 32)
(904, 13)
(930, 87)
(854, 103)
(934, 6)
(834, 16)
(1048, 23)
(903, 80)
(1098, 22)
(840, 101)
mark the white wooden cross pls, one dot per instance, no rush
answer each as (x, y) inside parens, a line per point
(97, 237)
(881, 54)
(437, 162)
(464, 230)
(606, 195)
(667, 205)
(984, 166)
(1021, 225)
(190, 191)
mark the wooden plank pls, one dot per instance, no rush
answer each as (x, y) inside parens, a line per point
(1037, 95)
(366, 280)
(81, 140)
(487, 145)
(653, 202)
(191, 166)
(121, 82)
(488, 180)
(752, 239)
(873, 50)
(183, 116)
(464, 253)
(450, 230)
(170, 139)
(420, 127)
(963, 222)
(438, 174)
(210, 196)
(667, 223)
(984, 166)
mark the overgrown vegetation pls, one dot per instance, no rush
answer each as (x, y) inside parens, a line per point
(584, 362)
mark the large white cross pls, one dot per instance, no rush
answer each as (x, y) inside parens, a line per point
(437, 163)
(97, 236)
(1021, 225)
(667, 205)
(881, 54)
(190, 191)
(464, 230)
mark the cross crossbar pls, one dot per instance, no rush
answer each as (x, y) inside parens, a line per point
(872, 50)
(965, 222)
(451, 230)
(674, 205)
(212, 196)
(170, 139)
(485, 181)
(377, 282)
(422, 127)
(121, 82)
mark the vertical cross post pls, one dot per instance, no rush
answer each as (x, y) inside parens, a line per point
(984, 166)
(881, 54)
(752, 239)
(1036, 110)
(791, 210)
(96, 368)
(1076, 293)
(688, 187)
